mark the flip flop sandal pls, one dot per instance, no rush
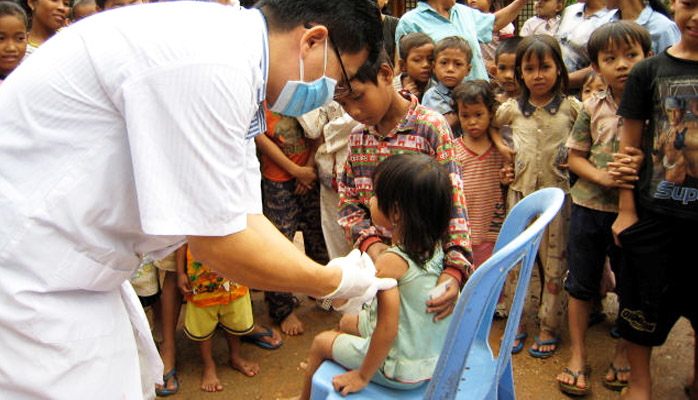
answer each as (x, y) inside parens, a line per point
(572, 388)
(164, 391)
(616, 385)
(521, 337)
(544, 354)
(256, 338)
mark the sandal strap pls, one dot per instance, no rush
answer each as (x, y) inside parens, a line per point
(617, 370)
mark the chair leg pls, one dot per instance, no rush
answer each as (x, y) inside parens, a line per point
(506, 384)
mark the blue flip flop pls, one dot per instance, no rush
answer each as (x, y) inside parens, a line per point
(256, 338)
(164, 392)
(544, 354)
(521, 337)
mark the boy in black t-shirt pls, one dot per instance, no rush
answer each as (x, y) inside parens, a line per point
(656, 222)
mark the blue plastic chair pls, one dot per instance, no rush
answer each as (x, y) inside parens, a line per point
(467, 367)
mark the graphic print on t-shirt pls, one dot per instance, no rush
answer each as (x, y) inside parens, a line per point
(675, 148)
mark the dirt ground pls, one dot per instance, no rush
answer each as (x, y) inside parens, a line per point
(534, 378)
(280, 376)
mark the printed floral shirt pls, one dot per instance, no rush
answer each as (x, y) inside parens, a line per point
(422, 130)
(209, 287)
(596, 132)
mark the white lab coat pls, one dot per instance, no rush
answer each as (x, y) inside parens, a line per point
(120, 136)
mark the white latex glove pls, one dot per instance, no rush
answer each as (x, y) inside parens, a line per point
(359, 282)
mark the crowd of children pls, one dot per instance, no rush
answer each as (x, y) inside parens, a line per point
(419, 162)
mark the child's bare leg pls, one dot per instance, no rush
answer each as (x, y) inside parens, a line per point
(350, 324)
(640, 384)
(320, 351)
(247, 368)
(209, 379)
(171, 305)
(578, 318)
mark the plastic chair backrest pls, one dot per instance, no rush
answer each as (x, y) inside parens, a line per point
(517, 243)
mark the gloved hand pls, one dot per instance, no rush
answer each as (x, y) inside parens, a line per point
(359, 282)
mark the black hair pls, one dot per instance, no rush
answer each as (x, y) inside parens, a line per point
(616, 33)
(77, 3)
(101, 4)
(475, 92)
(507, 46)
(540, 46)
(412, 40)
(368, 72)
(420, 190)
(354, 25)
(660, 7)
(14, 9)
(454, 42)
(589, 77)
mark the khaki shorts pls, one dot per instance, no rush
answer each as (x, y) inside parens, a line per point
(235, 318)
(167, 263)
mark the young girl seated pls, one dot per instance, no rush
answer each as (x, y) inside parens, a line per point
(394, 342)
(13, 37)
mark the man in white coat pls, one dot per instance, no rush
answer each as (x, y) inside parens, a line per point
(131, 132)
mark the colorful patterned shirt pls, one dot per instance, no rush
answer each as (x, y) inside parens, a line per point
(209, 287)
(596, 132)
(421, 131)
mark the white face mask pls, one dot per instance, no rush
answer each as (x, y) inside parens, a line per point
(299, 97)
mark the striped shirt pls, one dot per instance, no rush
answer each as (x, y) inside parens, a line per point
(482, 191)
(422, 130)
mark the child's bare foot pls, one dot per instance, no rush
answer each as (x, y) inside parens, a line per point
(292, 326)
(247, 368)
(573, 379)
(545, 344)
(209, 380)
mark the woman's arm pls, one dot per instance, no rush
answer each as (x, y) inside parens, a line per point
(507, 14)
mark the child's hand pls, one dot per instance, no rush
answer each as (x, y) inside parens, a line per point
(184, 285)
(625, 166)
(349, 382)
(605, 179)
(409, 84)
(301, 189)
(507, 152)
(305, 175)
(624, 220)
(506, 175)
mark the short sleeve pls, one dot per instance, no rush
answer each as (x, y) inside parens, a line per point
(434, 100)
(484, 25)
(580, 139)
(505, 113)
(404, 26)
(195, 173)
(526, 30)
(637, 96)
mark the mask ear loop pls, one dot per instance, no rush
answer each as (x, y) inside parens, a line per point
(300, 59)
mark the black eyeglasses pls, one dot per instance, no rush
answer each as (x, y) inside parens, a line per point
(341, 90)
